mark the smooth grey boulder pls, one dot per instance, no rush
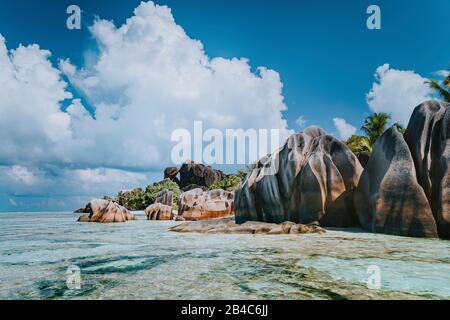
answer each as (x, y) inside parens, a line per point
(310, 179)
(428, 138)
(389, 198)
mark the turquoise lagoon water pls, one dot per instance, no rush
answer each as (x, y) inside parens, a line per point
(143, 260)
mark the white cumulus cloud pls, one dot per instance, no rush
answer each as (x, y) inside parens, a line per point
(397, 92)
(344, 129)
(301, 122)
(148, 79)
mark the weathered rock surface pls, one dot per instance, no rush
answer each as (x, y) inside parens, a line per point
(199, 174)
(80, 210)
(159, 211)
(171, 174)
(310, 179)
(106, 211)
(228, 225)
(165, 197)
(389, 198)
(363, 158)
(192, 187)
(199, 205)
(428, 138)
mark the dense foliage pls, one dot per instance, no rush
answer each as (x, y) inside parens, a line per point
(132, 200)
(229, 182)
(138, 199)
(442, 88)
(359, 144)
(374, 126)
(152, 191)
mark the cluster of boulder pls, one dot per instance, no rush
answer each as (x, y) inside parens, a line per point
(401, 188)
(105, 211)
(162, 209)
(194, 203)
(202, 205)
(404, 188)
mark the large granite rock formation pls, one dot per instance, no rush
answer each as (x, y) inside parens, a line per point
(405, 188)
(199, 205)
(389, 198)
(428, 138)
(310, 179)
(198, 174)
(105, 211)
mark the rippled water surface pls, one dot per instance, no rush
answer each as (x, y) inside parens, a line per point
(142, 260)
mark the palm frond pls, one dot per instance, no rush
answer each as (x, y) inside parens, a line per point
(443, 92)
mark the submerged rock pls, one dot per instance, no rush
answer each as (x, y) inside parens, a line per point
(310, 179)
(389, 198)
(199, 205)
(228, 226)
(105, 211)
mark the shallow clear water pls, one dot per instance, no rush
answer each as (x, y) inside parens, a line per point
(142, 260)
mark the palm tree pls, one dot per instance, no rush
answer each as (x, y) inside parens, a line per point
(443, 88)
(375, 125)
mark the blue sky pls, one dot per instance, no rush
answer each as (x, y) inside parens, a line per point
(322, 50)
(325, 54)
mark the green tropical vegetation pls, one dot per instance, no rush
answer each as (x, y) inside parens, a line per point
(442, 88)
(374, 126)
(230, 182)
(139, 199)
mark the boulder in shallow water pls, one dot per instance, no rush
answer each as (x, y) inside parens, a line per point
(106, 211)
(389, 198)
(159, 211)
(199, 205)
